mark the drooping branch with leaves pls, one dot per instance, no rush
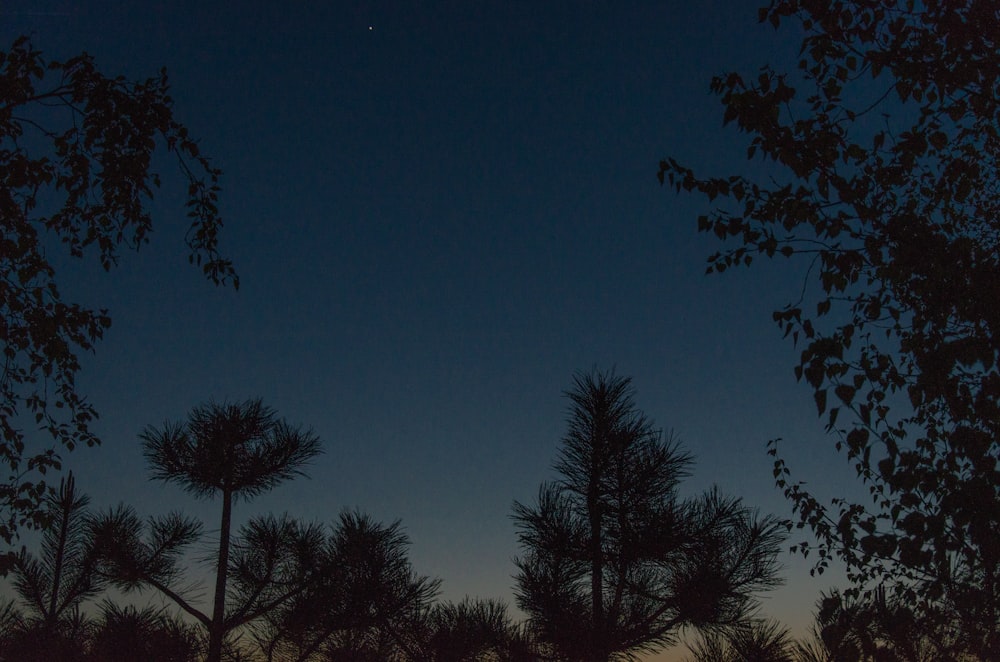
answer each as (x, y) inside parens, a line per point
(76, 150)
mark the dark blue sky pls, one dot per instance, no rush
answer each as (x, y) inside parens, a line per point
(439, 214)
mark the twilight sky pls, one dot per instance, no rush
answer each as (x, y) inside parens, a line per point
(439, 212)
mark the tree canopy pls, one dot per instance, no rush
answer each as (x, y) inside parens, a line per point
(76, 150)
(231, 450)
(881, 151)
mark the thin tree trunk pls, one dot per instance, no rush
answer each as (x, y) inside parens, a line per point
(596, 573)
(50, 616)
(216, 631)
(66, 506)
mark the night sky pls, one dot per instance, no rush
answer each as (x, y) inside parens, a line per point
(439, 213)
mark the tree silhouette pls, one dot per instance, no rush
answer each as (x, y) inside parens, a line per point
(468, 631)
(359, 601)
(27, 639)
(233, 451)
(127, 634)
(887, 163)
(53, 585)
(75, 166)
(878, 629)
(754, 641)
(122, 634)
(615, 562)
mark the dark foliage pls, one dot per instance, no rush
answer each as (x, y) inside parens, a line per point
(754, 641)
(229, 450)
(29, 639)
(240, 449)
(53, 584)
(128, 634)
(75, 158)
(878, 629)
(615, 563)
(469, 631)
(120, 634)
(360, 598)
(885, 143)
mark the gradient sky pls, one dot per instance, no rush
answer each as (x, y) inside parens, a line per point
(439, 213)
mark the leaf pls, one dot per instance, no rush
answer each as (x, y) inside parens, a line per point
(845, 393)
(857, 440)
(820, 398)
